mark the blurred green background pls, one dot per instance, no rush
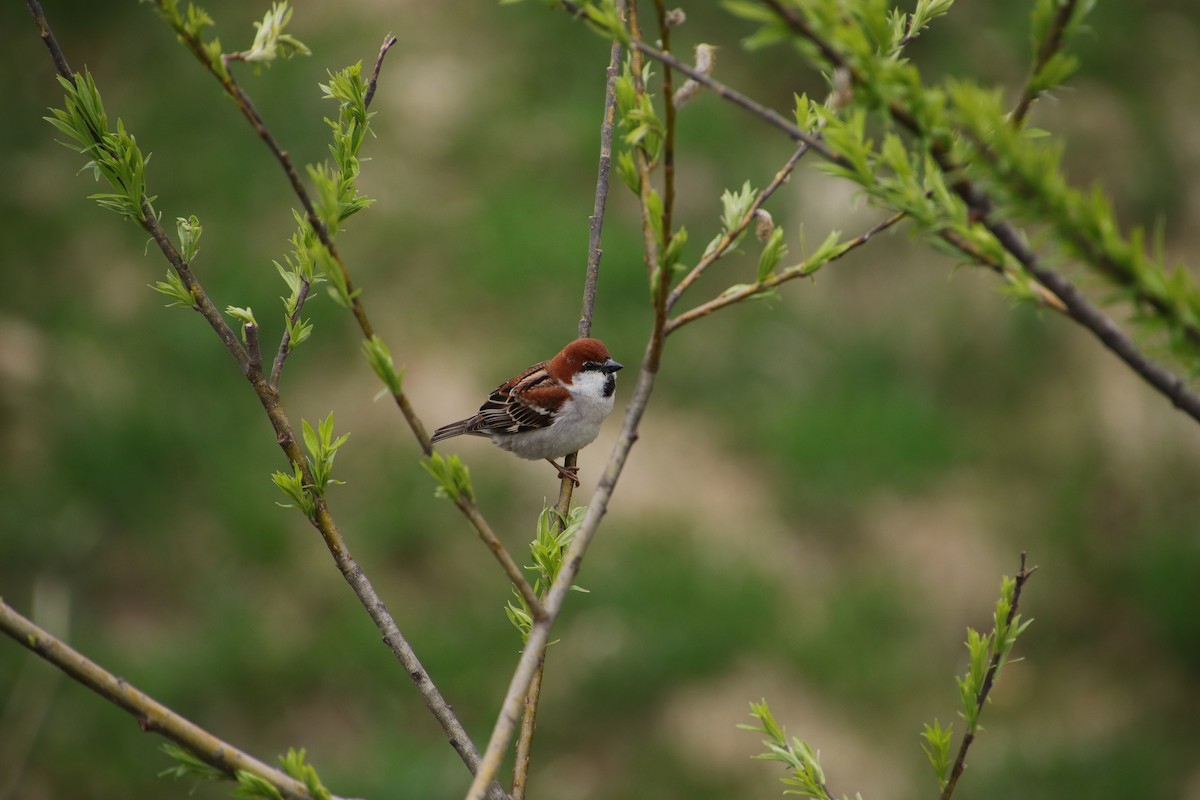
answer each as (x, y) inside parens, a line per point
(827, 489)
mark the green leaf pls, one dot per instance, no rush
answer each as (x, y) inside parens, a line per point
(381, 361)
(452, 475)
(772, 252)
(174, 289)
(188, 765)
(189, 231)
(937, 749)
(270, 40)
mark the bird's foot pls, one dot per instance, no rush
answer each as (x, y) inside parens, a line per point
(566, 473)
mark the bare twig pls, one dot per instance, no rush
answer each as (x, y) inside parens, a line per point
(56, 53)
(1050, 45)
(252, 347)
(728, 239)
(596, 220)
(791, 273)
(388, 42)
(151, 715)
(510, 567)
(528, 725)
(988, 680)
(668, 93)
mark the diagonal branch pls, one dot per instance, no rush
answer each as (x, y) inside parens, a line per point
(724, 243)
(151, 715)
(801, 270)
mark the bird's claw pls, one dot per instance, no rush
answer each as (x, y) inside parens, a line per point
(567, 473)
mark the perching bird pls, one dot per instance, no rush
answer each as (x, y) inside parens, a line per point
(549, 410)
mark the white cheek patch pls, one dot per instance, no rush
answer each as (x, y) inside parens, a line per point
(589, 383)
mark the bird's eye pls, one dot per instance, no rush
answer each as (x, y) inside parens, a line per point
(591, 366)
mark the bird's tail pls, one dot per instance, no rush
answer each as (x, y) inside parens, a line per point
(450, 431)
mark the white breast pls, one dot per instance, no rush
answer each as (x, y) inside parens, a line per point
(577, 425)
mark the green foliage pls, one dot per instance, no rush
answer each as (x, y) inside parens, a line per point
(1059, 66)
(806, 778)
(189, 230)
(270, 41)
(349, 131)
(452, 475)
(381, 361)
(114, 155)
(554, 535)
(253, 787)
(294, 487)
(174, 289)
(1026, 173)
(250, 786)
(294, 764)
(937, 749)
(773, 250)
(644, 128)
(244, 315)
(190, 29)
(187, 765)
(322, 449)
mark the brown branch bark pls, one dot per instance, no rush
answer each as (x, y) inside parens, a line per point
(151, 715)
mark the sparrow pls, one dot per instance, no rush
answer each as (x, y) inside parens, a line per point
(549, 410)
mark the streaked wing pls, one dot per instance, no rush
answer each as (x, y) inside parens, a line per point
(523, 404)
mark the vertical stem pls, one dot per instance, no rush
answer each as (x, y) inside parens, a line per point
(668, 93)
(528, 724)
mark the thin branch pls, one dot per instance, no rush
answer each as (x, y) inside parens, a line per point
(151, 715)
(254, 351)
(388, 42)
(56, 53)
(724, 243)
(321, 520)
(791, 273)
(1050, 45)
(596, 220)
(285, 343)
(528, 725)
(668, 93)
(989, 679)
(510, 567)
